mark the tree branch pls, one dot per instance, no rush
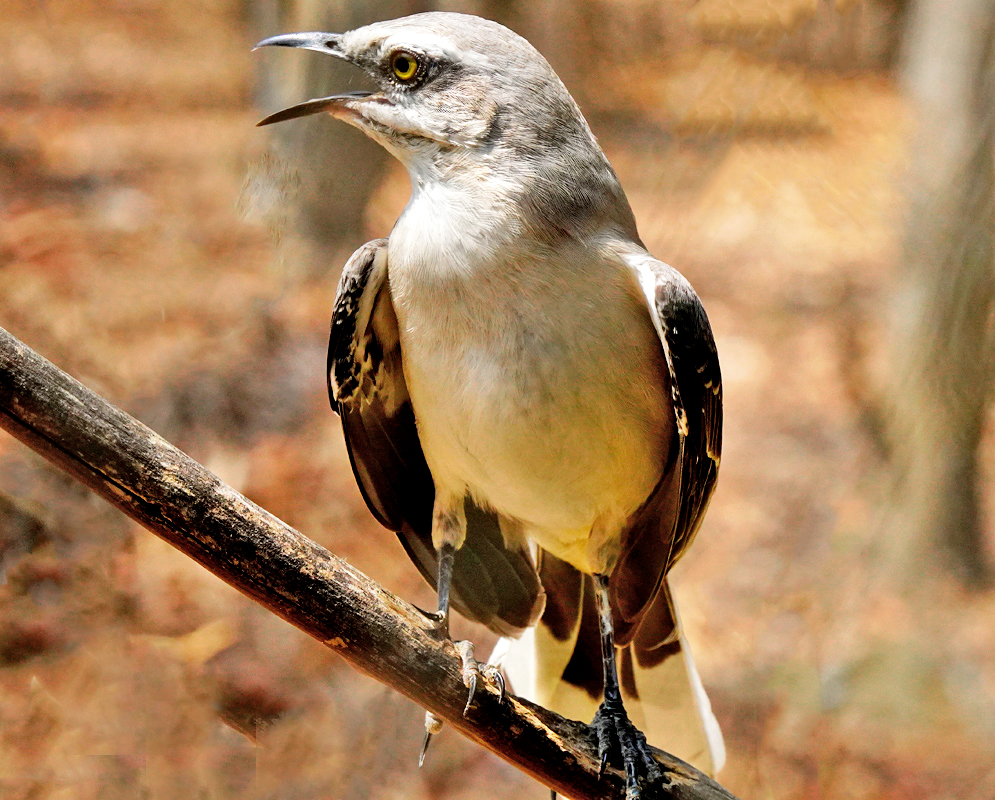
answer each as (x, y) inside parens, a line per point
(379, 634)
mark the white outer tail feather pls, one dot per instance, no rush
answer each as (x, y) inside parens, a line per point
(672, 709)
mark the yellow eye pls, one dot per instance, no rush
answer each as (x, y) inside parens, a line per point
(405, 66)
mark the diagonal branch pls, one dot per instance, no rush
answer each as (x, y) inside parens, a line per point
(377, 633)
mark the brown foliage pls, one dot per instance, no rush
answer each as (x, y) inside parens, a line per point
(126, 135)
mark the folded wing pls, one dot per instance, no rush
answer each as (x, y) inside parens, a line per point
(660, 532)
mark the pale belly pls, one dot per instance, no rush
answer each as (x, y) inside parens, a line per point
(559, 423)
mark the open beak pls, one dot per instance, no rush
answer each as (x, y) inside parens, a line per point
(339, 104)
(343, 104)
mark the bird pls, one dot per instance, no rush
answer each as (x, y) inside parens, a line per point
(529, 399)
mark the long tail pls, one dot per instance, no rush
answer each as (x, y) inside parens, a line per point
(557, 664)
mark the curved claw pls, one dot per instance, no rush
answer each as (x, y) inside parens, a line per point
(432, 726)
(473, 690)
(498, 679)
(472, 671)
(424, 748)
(503, 687)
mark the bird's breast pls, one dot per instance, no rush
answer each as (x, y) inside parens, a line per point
(537, 381)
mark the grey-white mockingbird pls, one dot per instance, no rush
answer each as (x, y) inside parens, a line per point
(530, 400)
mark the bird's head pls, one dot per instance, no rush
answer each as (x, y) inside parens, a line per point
(445, 82)
(460, 97)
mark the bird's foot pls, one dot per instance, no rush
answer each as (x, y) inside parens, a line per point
(620, 740)
(472, 671)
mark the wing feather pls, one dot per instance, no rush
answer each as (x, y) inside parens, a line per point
(660, 532)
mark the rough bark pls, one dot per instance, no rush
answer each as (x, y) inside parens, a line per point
(379, 634)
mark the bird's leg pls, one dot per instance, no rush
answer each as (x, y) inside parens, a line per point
(615, 732)
(472, 669)
(448, 533)
(447, 556)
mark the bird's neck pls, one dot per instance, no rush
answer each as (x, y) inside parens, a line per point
(454, 226)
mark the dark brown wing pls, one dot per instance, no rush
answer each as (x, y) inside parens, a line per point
(662, 529)
(492, 584)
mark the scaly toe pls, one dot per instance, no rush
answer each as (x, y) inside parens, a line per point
(473, 671)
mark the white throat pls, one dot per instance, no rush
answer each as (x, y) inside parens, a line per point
(453, 228)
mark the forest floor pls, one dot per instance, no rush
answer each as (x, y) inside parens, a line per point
(133, 256)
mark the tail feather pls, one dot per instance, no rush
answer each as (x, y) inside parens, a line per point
(558, 665)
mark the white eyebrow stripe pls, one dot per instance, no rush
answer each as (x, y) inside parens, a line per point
(429, 44)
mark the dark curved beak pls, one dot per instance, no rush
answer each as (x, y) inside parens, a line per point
(322, 42)
(327, 43)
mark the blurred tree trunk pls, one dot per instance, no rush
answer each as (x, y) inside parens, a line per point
(942, 352)
(338, 167)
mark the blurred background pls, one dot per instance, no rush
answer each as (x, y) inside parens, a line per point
(821, 170)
